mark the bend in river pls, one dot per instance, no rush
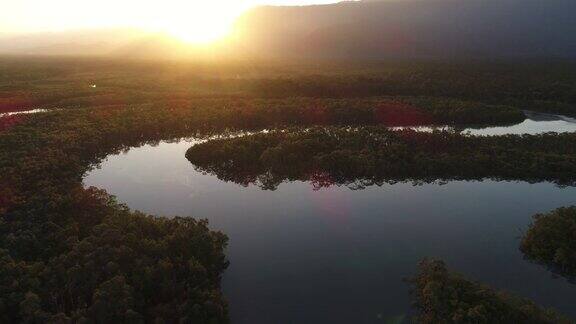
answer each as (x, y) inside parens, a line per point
(339, 255)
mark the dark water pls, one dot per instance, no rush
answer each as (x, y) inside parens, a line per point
(338, 255)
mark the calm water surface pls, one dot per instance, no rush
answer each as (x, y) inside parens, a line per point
(535, 123)
(337, 255)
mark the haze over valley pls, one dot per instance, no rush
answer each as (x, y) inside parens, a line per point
(368, 29)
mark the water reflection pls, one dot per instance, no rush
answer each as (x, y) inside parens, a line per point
(535, 123)
(337, 255)
(23, 112)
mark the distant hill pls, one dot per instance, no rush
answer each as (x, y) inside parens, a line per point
(124, 43)
(74, 43)
(373, 29)
(413, 28)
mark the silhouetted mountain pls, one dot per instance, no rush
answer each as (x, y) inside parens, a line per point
(413, 28)
(125, 43)
(78, 42)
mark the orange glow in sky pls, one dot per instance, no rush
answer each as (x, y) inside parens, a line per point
(195, 21)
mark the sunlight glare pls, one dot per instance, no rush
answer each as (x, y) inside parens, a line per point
(193, 21)
(200, 22)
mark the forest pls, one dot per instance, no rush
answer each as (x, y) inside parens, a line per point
(551, 240)
(447, 297)
(547, 86)
(75, 254)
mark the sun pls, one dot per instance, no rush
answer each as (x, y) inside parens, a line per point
(199, 34)
(201, 22)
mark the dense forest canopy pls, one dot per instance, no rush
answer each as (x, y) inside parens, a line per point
(447, 297)
(68, 83)
(551, 240)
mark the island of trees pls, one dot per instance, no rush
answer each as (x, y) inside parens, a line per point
(361, 156)
(551, 240)
(442, 296)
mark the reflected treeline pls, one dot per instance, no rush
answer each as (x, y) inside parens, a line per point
(442, 296)
(551, 240)
(364, 156)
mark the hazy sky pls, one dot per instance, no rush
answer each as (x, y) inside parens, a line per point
(176, 16)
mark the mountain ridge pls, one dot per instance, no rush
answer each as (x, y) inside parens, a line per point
(368, 29)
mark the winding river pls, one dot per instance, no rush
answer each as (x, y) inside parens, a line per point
(337, 255)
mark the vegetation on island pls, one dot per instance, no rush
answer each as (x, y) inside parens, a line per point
(362, 156)
(551, 240)
(442, 296)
